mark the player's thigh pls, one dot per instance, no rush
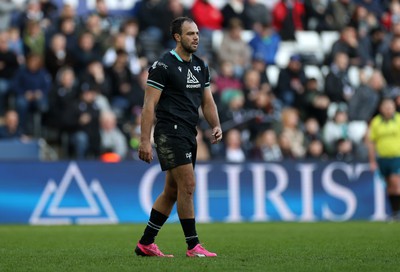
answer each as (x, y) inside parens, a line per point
(170, 186)
(183, 175)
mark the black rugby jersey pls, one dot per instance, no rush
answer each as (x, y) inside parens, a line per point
(182, 85)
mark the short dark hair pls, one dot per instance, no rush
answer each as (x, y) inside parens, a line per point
(176, 25)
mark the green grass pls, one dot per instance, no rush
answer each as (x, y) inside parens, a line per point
(349, 246)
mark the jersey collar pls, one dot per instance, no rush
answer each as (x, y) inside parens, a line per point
(173, 52)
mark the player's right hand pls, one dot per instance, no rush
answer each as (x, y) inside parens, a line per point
(145, 152)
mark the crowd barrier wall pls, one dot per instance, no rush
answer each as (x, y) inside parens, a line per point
(94, 192)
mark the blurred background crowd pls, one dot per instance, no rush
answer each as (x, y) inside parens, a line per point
(293, 79)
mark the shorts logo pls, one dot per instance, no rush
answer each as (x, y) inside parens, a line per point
(189, 155)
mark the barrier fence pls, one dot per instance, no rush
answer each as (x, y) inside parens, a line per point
(95, 192)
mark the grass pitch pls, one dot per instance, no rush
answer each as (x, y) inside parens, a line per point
(349, 246)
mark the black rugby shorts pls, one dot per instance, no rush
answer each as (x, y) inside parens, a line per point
(175, 145)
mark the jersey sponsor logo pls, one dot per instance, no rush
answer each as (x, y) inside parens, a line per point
(192, 81)
(159, 63)
(57, 204)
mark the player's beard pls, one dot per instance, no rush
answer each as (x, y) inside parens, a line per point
(188, 48)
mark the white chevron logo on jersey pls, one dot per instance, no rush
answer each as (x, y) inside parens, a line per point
(191, 78)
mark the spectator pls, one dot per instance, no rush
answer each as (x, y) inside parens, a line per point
(267, 113)
(252, 86)
(344, 150)
(34, 38)
(233, 9)
(101, 36)
(315, 151)
(259, 65)
(373, 6)
(121, 80)
(342, 11)
(206, 15)
(267, 147)
(62, 98)
(112, 138)
(57, 55)
(68, 28)
(234, 49)
(31, 85)
(337, 83)
(291, 82)
(285, 146)
(174, 10)
(11, 128)
(232, 107)
(388, 55)
(16, 44)
(318, 15)
(340, 128)
(292, 133)
(8, 67)
(265, 43)
(348, 43)
(288, 16)
(378, 43)
(31, 12)
(152, 16)
(312, 131)
(108, 22)
(363, 105)
(85, 52)
(96, 76)
(83, 119)
(314, 103)
(233, 146)
(137, 61)
(256, 14)
(226, 79)
(6, 9)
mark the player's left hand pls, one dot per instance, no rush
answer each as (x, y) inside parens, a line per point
(217, 135)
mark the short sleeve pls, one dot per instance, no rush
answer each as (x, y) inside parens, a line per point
(207, 76)
(158, 74)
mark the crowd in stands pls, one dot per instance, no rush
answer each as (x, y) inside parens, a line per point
(77, 81)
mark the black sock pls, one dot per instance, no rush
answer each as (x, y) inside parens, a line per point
(155, 223)
(394, 201)
(189, 229)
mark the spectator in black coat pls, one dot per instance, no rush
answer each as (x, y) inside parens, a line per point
(291, 82)
(8, 67)
(337, 84)
(83, 118)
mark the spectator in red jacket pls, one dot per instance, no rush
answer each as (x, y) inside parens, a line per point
(288, 17)
(206, 15)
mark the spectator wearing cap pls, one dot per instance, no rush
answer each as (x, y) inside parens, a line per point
(291, 82)
(83, 118)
